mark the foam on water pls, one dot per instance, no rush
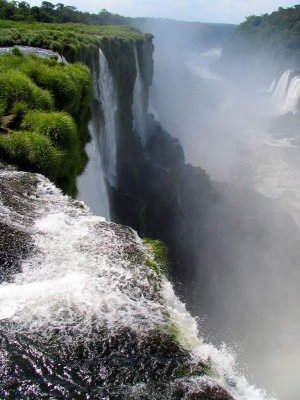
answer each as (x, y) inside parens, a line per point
(86, 276)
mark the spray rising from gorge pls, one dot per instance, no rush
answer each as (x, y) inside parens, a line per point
(86, 307)
(237, 131)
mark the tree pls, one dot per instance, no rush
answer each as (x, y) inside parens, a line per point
(48, 7)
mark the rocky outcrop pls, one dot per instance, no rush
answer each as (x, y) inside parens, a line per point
(89, 314)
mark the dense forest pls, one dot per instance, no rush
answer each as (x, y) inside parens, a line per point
(274, 37)
(48, 12)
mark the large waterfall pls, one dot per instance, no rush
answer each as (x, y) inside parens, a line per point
(101, 151)
(108, 99)
(286, 93)
(138, 109)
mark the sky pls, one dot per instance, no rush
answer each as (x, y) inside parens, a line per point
(227, 11)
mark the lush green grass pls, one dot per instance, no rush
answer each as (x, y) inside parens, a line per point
(70, 40)
(31, 151)
(40, 103)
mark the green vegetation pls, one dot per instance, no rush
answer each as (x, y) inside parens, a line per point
(31, 88)
(74, 41)
(48, 12)
(277, 34)
(40, 101)
(159, 256)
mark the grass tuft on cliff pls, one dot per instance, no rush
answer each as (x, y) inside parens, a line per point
(44, 110)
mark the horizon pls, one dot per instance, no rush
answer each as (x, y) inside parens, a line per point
(207, 11)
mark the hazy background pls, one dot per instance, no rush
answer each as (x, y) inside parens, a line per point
(222, 11)
(247, 281)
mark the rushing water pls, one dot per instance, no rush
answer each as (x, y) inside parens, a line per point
(138, 108)
(286, 93)
(85, 317)
(107, 95)
(101, 151)
(91, 184)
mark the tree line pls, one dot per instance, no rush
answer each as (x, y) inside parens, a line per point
(59, 13)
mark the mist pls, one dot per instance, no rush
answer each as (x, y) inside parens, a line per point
(245, 288)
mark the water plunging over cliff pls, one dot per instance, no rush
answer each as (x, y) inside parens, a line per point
(286, 93)
(106, 93)
(101, 150)
(138, 109)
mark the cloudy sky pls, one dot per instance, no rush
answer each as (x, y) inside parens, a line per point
(233, 11)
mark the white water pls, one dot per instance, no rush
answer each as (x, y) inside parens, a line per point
(101, 151)
(108, 98)
(138, 109)
(286, 93)
(80, 278)
(91, 184)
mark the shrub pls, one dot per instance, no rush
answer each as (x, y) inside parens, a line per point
(16, 86)
(56, 81)
(18, 110)
(58, 126)
(31, 151)
(17, 52)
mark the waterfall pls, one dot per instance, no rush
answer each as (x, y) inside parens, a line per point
(87, 316)
(91, 184)
(138, 109)
(108, 99)
(291, 103)
(286, 93)
(101, 150)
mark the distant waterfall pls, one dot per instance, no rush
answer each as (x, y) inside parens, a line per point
(293, 95)
(286, 93)
(101, 150)
(138, 109)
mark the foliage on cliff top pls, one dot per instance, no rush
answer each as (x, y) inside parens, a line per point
(60, 37)
(40, 100)
(277, 34)
(74, 41)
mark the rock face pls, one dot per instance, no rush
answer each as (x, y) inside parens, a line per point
(84, 309)
(155, 192)
(15, 241)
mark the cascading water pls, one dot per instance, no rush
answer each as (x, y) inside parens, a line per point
(138, 109)
(91, 184)
(86, 317)
(291, 103)
(286, 93)
(101, 150)
(279, 93)
(107, 97)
